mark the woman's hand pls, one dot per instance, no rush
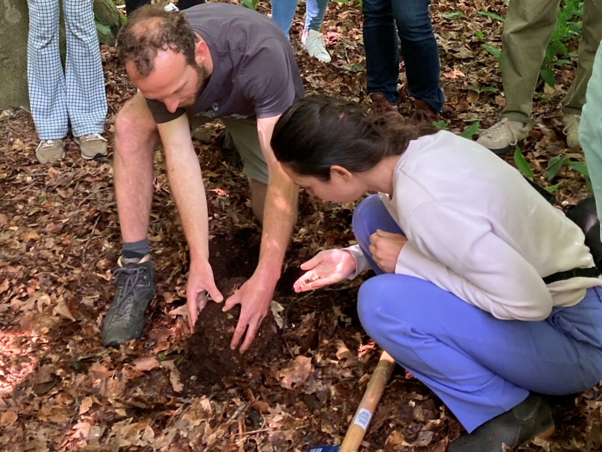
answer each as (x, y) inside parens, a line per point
(385, 248)
(326, 267)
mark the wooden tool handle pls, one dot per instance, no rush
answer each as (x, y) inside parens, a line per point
(357, 430)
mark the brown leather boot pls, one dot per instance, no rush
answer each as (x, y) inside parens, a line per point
(381, 105)
(423, 112)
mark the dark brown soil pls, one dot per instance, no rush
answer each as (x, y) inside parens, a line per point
(208, 357)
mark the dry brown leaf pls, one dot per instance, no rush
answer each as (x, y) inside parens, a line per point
(8, 418)
(146, 363)
(295, 373)
(86, 404)
(62, 310)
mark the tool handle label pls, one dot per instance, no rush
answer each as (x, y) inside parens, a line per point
(362, 418)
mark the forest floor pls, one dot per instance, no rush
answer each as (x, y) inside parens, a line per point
(302, 380)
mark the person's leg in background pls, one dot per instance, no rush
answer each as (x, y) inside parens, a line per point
(382, 54)
(283, 12)
(421, 56)
(575, 96)
(86, 99)
(590, 129)
(185, 4)
(46, 80)
(133, 5)
(312, 38)
(482, 368)
(527, 30)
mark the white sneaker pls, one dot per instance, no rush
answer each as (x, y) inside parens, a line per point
(504, 135)
(314, 44)
(571, 130)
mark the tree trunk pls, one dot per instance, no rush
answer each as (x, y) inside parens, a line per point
(14, 24)
(14, 21)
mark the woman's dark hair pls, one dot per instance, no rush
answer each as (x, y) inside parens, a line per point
(321, 131)
(150, 29)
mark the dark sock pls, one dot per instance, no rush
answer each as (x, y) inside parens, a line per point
(135, 250)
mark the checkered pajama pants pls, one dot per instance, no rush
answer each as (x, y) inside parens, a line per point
(78, 93)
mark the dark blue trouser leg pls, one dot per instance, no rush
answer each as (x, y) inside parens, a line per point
(382, 51)
(418, 44)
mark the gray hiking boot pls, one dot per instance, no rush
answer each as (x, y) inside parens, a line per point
(135, 290)
(504, 135)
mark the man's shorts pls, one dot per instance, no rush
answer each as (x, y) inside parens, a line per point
(245, 137)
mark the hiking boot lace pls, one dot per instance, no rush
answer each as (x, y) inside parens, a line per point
(130, 277)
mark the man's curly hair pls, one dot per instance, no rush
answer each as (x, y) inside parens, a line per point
(150, 29)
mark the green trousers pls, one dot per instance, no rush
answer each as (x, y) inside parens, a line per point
(527, 31)
(590, 130)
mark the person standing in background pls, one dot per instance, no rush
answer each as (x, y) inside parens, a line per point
(384, 20)
(527, 30)
(76, 94)
(283, 12)
(133, 5)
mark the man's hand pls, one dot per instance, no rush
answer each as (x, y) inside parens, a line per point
(200, 282)
(326, 267)
(385, 248)
(254, 299)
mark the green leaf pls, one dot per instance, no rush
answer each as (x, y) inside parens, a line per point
(522, 164)
(493, 50)
(353, 67)
(442, 125)
(455, 15)
(553, 188)
(492, 15)
(251, 4)
(479, 34)
(470, 130)
(554, 166)
(581, 168)
(548, 76)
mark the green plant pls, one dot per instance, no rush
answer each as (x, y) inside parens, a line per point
(469, 132)
(492, 15)
(568, 26)
(442, 125)
(522, 164)
(251, 4)
(556, 163)
(453, 15)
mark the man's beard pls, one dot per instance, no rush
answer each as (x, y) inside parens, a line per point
(202, 81)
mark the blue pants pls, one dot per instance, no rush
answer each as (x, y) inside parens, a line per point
(283, 12)
(418, 46)
(479, 366)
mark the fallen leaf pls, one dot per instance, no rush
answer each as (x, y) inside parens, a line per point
(146, 363)
(296, 373)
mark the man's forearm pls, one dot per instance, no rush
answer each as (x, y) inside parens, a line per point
(278, 220)
(184, 173)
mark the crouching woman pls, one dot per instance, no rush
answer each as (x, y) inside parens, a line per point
(483, 290)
